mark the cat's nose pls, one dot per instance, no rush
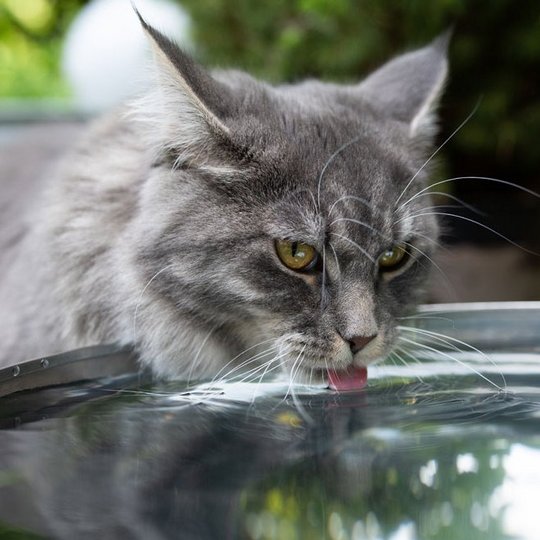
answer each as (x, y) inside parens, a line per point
(357, 343)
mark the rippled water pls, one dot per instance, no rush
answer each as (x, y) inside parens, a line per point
(443, 446)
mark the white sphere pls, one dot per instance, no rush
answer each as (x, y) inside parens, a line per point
(106, 52)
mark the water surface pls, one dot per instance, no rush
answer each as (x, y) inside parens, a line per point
(443, 443)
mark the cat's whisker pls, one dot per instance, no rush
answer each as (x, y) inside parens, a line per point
(217, 375)
(139, 300)
(447, 281)
(440, 207)
(454, 198)
(409, 353)
(136, 392)
(223, 373)
(267, 367)
(329, 161)
(418, 316)
(240, 367)
(437, 150)
(354, 198)
(451, 342)
(258, 367)
(244, 376)
(483, 178)
(431, 240)
(404, 362)
(420, 214)
(361, 249)
(454, 359)
(295, 367)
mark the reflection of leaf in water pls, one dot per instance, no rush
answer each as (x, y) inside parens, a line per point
(7, 478)
(10, 533)
(372, 488)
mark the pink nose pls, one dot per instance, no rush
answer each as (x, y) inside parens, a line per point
(357, 343)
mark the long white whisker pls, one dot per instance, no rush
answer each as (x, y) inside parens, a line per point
(451, 341)
(457, 360)
(439, 148)
(216, 376)
(418, 316)
(485, 178)
(362, 250)
(136, 392)
(440, 270)
(240, 368)
(450, 196)
(267, 367)
(294, 369)
(471, 221)
(268, 364)
(431, 240)
(404, 362)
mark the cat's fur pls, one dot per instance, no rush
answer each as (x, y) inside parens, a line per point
(159, 229)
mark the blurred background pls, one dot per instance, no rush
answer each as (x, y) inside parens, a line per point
(63, 61)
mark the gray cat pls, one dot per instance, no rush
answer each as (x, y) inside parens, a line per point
(224, 223)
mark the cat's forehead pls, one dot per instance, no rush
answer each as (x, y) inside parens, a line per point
(319, 155)
(300, 128)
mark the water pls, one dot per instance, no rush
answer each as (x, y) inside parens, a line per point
(444, 447)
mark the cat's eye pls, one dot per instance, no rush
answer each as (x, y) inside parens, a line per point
(297, 255)
(393, 258)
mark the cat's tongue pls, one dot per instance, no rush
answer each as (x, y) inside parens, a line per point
(353, 378)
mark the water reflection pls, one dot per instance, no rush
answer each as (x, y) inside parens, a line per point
(400, 460)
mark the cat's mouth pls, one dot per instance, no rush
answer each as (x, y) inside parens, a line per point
(352, 378)
(341, 380)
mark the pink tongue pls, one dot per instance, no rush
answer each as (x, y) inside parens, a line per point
(353, 378)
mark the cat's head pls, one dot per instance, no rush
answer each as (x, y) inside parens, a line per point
(283, 218)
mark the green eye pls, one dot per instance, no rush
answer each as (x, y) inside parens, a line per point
(393, 258)
(296, 255)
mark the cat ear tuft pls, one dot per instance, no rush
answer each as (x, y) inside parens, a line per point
(408, 87)
(188, 106)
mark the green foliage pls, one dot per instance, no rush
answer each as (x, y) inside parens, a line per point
(11, 533)
(31, 33)
(291, 39)
(494, 59)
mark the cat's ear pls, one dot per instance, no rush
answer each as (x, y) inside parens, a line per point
(408, 87)
(189, 106)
